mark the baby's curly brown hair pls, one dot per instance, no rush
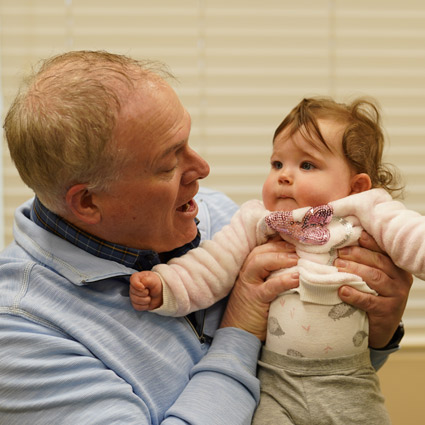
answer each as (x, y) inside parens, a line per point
(362, 140)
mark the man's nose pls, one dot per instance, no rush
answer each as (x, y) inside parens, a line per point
(197, 168)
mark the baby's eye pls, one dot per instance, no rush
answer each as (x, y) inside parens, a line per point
(277, 165)
(307, 166)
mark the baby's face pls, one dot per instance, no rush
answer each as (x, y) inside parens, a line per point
(304, 175)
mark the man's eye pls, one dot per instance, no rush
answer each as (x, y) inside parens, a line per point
(307, 166)
(170, 170)
(277, 165)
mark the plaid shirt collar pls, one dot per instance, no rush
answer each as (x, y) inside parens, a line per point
(139, 259)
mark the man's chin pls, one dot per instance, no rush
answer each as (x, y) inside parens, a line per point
(184, 238)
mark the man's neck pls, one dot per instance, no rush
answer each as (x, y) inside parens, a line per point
(130, 257)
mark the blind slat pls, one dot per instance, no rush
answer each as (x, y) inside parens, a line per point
(243, 65)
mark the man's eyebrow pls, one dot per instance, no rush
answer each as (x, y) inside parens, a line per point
(172, 149)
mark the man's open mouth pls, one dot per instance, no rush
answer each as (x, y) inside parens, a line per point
(186, 207)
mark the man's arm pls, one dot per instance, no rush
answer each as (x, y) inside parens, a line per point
(48, 377)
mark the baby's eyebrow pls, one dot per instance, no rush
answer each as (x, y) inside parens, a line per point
(314, 151)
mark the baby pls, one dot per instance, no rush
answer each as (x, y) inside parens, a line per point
(326, 183)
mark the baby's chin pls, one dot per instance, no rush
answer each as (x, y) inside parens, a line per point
(283, 204)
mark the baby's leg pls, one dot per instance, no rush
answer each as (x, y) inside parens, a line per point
(300, 390)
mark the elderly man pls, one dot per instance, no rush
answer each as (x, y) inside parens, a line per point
(103, 142)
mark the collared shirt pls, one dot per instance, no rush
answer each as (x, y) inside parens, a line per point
(138, 259)
(74, 351)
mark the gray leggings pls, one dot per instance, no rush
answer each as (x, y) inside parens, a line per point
(302, 391)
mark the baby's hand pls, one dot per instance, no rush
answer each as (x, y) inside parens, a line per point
(145, 291)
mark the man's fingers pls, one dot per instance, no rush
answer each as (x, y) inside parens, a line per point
(249, 300)
(373, 267)
(275, 285)
(366, 241)
(377, 270)
(357, 299)
(268, 258)
(381, 274)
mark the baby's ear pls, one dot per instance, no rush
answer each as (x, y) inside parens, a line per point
(360, 183)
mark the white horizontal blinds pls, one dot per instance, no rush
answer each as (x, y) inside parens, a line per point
(260, 62)
(242, 66)
(29, 31)
(260, 59)
(379, 49)
(382, 52)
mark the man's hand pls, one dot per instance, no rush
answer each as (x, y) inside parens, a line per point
(250, 298)
(390, 282)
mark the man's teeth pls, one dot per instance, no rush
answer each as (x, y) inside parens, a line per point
(185, 207)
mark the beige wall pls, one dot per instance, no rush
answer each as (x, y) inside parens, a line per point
(403, 384)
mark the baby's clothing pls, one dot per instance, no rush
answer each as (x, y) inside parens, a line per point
(308, 322)
(297, 390)
(311, 321)
(206, 274)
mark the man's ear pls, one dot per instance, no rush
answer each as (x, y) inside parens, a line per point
(82, 204)
(360, 183)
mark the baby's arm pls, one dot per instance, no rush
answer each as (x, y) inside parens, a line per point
(206, 274)
(398, 231)
(145, 290)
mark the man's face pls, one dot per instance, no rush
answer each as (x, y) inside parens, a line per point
(152, 205)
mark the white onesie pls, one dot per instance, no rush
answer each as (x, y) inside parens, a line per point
(311, 320)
